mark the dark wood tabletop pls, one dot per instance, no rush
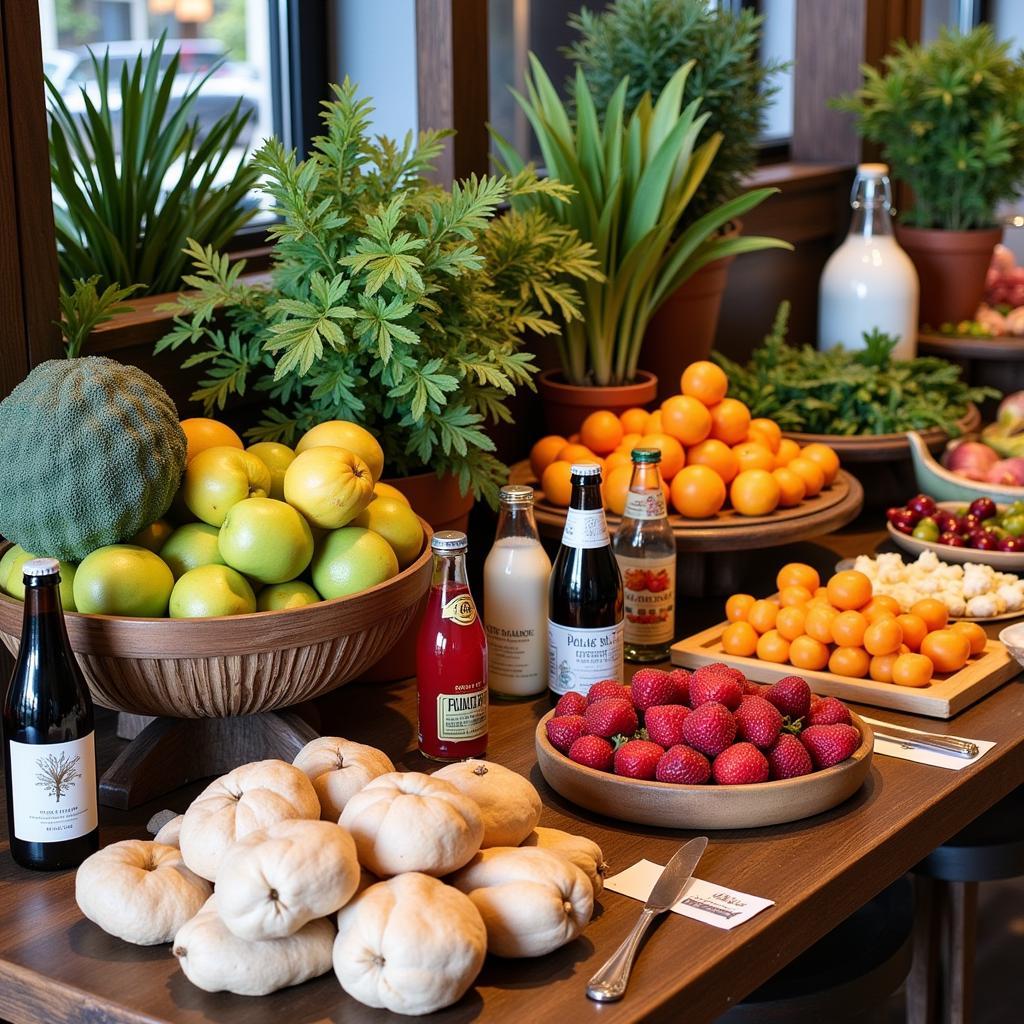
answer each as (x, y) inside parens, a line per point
(56, 966)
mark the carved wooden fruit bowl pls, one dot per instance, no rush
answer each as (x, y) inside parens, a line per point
(240, 664)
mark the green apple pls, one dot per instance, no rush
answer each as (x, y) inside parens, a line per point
(277, 458)
(191, 546)
(396, 522)
(153, 536)
(123, 579)
(280, 596)
(9, 557)
(351, 560)
(221, 477)
(266, 539)
(15, 585)
(209, 591)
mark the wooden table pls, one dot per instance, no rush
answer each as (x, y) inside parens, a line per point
(56, 966)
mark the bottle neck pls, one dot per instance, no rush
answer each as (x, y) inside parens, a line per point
(42, 608)
(449, 569)
(516, 521)
(586, 494)
(871, 201)
(646, 477)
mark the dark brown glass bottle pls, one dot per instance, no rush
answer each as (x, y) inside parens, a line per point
(49, 739)
(585, 613)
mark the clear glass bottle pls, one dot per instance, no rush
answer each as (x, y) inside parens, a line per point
(645, 549)
(516, 576)
(869, 281)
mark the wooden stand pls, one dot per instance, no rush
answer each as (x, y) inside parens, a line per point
(171, 752)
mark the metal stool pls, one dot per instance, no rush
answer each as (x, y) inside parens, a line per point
(946, 898)
(846, 976)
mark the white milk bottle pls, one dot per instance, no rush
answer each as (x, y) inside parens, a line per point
(869, 281)
(516, 600)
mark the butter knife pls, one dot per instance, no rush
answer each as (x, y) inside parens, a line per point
(609, 984)
(931, 741)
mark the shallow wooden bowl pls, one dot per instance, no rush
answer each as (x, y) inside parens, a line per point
(240, 664)
(667, 805)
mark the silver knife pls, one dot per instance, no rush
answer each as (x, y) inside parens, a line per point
(932, 741)
(610, 981)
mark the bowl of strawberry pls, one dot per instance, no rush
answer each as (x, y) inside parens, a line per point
(701, 750)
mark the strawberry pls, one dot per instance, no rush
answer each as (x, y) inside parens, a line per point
(681, 679)
(740, 765)
(752, 689)
(638, 759)
(610, 717)
(564, 731)
(607, 688)
(791, 695)
(788, 758)
(683, 765)
(664, 723)
(716, 683)
(571, 703)
(709, 728)
(651, 687)
(829, 711)
(758, 721)
(830, 744)
(593, 752)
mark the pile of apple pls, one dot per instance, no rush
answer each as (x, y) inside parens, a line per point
(263, 528)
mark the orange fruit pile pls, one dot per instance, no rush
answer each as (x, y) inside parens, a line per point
(712, 453)
(844, 628)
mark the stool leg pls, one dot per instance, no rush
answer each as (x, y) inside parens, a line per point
(923, 980)
(963, 921)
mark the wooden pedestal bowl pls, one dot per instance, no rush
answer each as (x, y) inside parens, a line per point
(241, 664)
(667, 805)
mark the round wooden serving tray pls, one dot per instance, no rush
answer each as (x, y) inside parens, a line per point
(667, 805)
(729, 531)
(1006, 347)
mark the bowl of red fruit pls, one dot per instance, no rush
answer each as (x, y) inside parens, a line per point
(979, 531)
(703, 750)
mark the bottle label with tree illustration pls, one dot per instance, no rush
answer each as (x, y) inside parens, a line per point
(54, 790)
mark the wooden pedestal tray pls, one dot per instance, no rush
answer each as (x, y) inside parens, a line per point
(223, 691)
(706, 543)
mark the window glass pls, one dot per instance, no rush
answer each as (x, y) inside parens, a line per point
(778, 42)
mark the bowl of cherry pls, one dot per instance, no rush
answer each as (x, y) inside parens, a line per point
(979, 532)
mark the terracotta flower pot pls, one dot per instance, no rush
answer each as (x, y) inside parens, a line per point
(566, 406)
(683, 329)
(951, 266)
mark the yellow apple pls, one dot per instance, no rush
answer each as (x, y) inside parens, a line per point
(191, 546)
(209, 591)
(329, 486)
(277, 458)
(123, 579)
(343, 434)
(280, 596)
(221, 477)
(153, 536)
(397, 524)
(382, 490)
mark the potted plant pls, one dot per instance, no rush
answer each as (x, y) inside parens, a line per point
(391, 302)
(633, 178)
(949, 117)
(648, 40)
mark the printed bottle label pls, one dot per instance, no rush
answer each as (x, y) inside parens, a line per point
(585, 528)
(645, 505)
(516, 659)
(578, 658)
(649, 598)
(54, 790)
(462, 716)
(460, 610)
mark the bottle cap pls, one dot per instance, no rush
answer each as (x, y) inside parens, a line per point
(646, 455)
(516, 494)
(448, 541)
(873, 170)
(585, 469)
(41, 567)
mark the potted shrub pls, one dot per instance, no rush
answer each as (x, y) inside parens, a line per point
(648, 40)
(391, 302)
(633, 178)
(949, 117)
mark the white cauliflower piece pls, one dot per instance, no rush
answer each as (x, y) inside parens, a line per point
(983, 606)
(976, 580)
(1012, 595)
(928, 560)
(956, 606)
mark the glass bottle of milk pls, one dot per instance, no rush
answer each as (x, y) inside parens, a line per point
(516, 600)
(869, 281)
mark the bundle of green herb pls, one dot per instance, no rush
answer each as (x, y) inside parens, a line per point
(846, 393)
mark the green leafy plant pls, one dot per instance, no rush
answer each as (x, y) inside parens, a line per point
(950, 120)
(649, 40)
(136, 183)
(392, 302)
(84, 308)
(632, 179)
(849, 392)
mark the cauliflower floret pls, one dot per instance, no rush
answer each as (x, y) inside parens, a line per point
(983, 606)
(956, 606)
(927, 560)
(1012, 595)
(976, 580)
(866, 565)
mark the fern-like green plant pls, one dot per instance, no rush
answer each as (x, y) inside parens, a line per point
(632, 181)
(392, 302)
(120, 216)
(84, 308)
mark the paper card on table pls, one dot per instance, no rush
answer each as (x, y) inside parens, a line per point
(701, 901)
(893, 748)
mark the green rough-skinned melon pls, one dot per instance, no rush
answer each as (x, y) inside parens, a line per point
(92, 452)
